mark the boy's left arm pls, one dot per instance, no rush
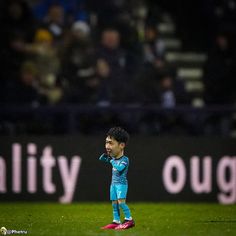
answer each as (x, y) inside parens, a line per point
(104, 158)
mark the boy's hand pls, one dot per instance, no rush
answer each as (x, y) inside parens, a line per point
(105, 158)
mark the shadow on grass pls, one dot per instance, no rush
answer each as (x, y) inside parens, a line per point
(216, 221)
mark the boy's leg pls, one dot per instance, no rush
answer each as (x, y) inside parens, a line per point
(125, 209)
(116, 212)
(115, 206)
(128, 222)
(121, 195)
(122, 190)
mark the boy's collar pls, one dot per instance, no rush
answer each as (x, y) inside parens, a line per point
(118, 158)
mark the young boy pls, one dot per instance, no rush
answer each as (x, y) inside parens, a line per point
(116, 141)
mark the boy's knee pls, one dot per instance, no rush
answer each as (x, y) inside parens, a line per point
(123, 206)
(121, 201)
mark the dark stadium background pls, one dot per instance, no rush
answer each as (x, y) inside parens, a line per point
(163, 70)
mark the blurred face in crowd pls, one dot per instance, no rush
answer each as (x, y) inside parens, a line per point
(167, 83)
(56, 14)
(43, 36)
(111, 39)
(150, 34)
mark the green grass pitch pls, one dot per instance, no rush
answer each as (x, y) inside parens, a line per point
(152, 219)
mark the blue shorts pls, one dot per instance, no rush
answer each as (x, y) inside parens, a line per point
(118, 191)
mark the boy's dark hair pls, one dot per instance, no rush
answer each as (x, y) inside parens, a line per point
(119, 134)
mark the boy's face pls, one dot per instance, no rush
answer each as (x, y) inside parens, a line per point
(113, 147)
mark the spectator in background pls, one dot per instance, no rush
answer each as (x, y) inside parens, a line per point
(10, 61)
(154, 67)
(172, 91)
(17, 27)
(17, 19)
(55, 22)
(78, 66)
(220, 83)
(172, 94)
(43, 53)
(112, 57)
(74, 9)
(153, 47)
(219, 75)
(24, 90)
(226, 14)
(167, 96)
(103, 72)
(107, 12)
(166, 92)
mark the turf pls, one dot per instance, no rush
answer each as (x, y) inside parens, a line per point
(152, 219)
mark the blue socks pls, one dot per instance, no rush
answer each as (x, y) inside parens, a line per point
(126, 210)
(116, 212)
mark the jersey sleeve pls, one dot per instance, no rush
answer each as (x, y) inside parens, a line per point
(104, 158)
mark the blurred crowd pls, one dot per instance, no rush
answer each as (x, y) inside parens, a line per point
(106, 52)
